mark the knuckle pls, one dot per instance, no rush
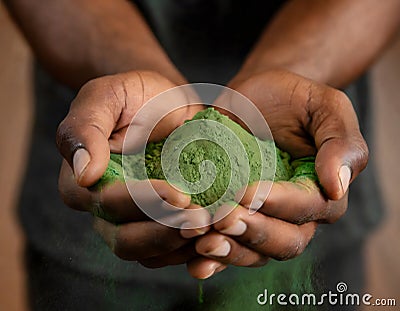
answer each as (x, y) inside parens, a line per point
(256, 239)
(93, 85)
(236, 259)
(342, 97)
(295, 248)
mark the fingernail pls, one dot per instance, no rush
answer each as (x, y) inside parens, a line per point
(218, 268)
(221, 251)
(344, 176)
(236, 229)
(81, 160)
(255, 205)
(191, 233)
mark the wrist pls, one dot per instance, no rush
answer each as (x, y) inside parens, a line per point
(257, 64)
(106, 65)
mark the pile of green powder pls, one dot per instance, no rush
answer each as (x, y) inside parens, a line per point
(260, 155)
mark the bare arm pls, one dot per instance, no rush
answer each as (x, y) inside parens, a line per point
(329, 41)
(78, 40)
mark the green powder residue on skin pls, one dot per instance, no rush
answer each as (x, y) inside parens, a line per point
(113, 172)
(260, 156)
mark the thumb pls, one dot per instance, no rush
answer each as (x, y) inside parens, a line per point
(82, 137)
(338, 162)
(342, 151)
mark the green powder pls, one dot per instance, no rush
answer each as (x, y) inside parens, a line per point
(260, 155)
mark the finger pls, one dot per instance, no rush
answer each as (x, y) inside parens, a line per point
(342, 151)
(123, 205)
(338, 163)
(74, 196)
(155, 191)
(177, 257)
(114, 202)
(266, 235)
(99, 117)
(203, 268)
(158, 116)
(296, 202)
(139, 240)
(196, 224)
(227, 251)
(82, 136)
(165, 204)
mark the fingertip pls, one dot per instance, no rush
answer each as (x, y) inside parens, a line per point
(203, 268)
(88, 170)
(237, 228)
(172, 194)
(187, 232)
(337, 186)
(339, 160)
(333, 155)
(334, 179)
(181, 200)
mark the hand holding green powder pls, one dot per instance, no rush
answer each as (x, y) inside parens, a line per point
(260, 155)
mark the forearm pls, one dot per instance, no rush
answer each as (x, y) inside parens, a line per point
(330, 41)
(77, 40)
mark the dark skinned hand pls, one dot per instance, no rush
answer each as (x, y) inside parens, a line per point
(96, 124)
(306, 118)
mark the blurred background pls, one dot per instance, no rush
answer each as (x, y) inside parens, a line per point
(383, 249)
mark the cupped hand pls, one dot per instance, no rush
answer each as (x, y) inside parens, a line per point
(96, 124)
(101, 115)
(306, 118)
